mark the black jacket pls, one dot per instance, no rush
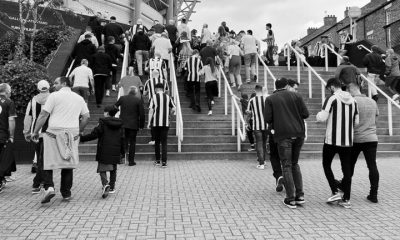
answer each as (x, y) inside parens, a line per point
(113, 52)
(132, 111)
(101, 63)
(140, 42)
(83, 50)
(286, 112)
(374, 63)
(110, 144)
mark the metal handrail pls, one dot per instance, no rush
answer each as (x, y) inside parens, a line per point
(266, 72)
(175, 95)
(310, 70)
(363, 47)
(372, 84)
(326, 49)
(70, 68)
(241, 136)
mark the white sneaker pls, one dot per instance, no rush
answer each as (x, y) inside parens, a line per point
(113, 88)
(152, 142)
(261, 167)
(48, 195)
(335, 197)
(107, 93)
(212, 102)
(233, 84)
(209, 113)
(9, 179)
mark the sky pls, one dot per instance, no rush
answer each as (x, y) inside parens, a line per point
(289, 18)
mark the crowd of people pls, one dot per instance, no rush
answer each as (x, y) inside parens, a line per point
(55, 122)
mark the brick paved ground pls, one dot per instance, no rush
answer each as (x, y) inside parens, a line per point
(201, 200)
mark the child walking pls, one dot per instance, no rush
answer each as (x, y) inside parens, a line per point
(211, 75)
(110, 147)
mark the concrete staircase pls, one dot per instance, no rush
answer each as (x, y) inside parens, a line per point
(210, 137)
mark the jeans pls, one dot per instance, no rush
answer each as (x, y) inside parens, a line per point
(375, 79)
(38, 179)
(234, 69)
(161, 137)
(261, 145)
(82, 91)
(130, 138)
(289, 152)
(194, 93)
(99, 86)
(270, 55)
(113, 178)
(141, 56)
(250, 136)
(328, 153)
(66, 181)
(250, 63)
(369, 151)
(274, 157)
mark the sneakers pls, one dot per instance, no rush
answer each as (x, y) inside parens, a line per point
(335, 197)
(209, 113)
(233, 85)
(248, 81)
(279, 184)
(289, 204)
(48, 195)
(132, 163)
(106, 190)
(112, 191)
(396, 98)
(299, 200)
(345, 203)
(157, 162)
(164, 165)
(34, 168)
(36, 190)
(113, 88)
(107, 93)
(152, 143)
(252, 148)
(261, 167)
(212, 102)
(373, 199)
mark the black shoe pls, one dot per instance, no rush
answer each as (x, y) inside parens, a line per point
(255, 78)
(289, 204)
(372, 198)
(164, 165)
(106, 191)
(198, 108)
(157, 163)
(132, 163)
(299, 200)
(279, 184)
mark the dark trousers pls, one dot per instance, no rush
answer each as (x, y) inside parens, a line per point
(194, 93)
(66, 181)
(274, 157)
(114, 76)
(261, 145)
(211, 92)
(38, 179)
(99, 86)
(369, 151)
(270, 55)
(250, 136)
(161, 137)
(113, 178)
(130, 138)
(328, 153)
(289, 152)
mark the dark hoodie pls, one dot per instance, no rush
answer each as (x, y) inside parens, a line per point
(347, 73)
(83, 50)
(110, 144)
(374, 63)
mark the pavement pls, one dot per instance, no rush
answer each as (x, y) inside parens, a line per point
(201, 200)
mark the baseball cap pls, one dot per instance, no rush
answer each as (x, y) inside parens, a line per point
(43, 85)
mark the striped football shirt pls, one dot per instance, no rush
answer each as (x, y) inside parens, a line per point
(161, 103)
(256, 107)
(149, 86)
(193, 66)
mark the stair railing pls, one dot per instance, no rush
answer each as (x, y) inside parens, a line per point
(311, 70)
(266, 72)
(70, 68)
(364, 47)
(390, 101)
(326, 49)
(175, 96)
(238, 128)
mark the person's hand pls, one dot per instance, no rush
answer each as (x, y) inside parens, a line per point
(35, 137)
(27, 137)
(11, 139)
(148, 126)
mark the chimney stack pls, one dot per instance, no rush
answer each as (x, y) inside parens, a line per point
(310, 30)
(330, 20)
(346, 12)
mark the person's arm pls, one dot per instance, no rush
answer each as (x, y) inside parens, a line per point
(118, 103)
(141, 114)
(323, 115)
(40, 121)
(91, 79)
(356, 115)
(84, 122)
(96, 133)
(95, 42)
(268, 113)
(338, 71)
(28, 121)
(303, 108)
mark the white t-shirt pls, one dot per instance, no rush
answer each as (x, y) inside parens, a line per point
(162, 46)
(82, 76)
(65, 107)
(206, 35)
(249, 44)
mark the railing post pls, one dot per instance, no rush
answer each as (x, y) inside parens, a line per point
(233, 116)
(338, 60)
(257, 63)
(265, 78)
(298, 68)
(323, 93)
(390, 118)
(309, 83)
(288, 58)
(238, 133)
(326, 59)
(219, 86)
(226, 98)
